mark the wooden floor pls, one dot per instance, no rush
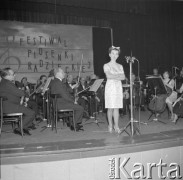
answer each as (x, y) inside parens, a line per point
(94, 135)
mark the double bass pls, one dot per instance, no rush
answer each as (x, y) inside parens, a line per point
(157, 103)
(157, 94)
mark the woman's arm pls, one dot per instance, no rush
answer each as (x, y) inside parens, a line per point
(171, 84)
(119, 76)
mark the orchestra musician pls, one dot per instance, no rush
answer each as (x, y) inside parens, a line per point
(172, 95)
(178, 105)
(138, 95)
(13, 103)
(29, 100)
(40, 85)
(71, 85)
(65, 100)
(82, 97)
(181, 73)
(155, 72)
(26, 86)
(126, 98)
(113, 89)
(95, 99)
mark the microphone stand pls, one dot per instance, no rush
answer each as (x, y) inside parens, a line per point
(131, 123)
(175, 74)
(46, 93)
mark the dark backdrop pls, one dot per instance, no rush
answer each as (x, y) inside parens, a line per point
(101, 44)
(151, 30)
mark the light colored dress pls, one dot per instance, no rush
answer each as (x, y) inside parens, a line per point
(113, 88)
(173, 96)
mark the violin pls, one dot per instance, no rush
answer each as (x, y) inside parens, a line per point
(28, 95)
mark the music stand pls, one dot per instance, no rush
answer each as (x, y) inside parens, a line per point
(156, 87)
(93, 89)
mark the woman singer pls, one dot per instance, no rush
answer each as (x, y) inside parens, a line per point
(113, 89)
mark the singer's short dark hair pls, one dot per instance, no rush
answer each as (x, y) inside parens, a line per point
(114, 48)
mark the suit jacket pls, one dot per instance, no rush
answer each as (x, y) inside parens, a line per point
(10, 91)
(59, 88)
(71, 91)
(12, 96)
(80, 88)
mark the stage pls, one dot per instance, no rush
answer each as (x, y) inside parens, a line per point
(86, 154)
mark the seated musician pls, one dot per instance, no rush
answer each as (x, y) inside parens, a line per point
(71, 85)
(41, 82)
(178, 106)
(13, 104)
(26, 86)
(82, 96)
(172, 95)
(181, 73)
(65, 100)
(126, 101)
(40, 85)
(92, 79)
(155, 72)
(95, 98)
(138, 94)
(29, 100)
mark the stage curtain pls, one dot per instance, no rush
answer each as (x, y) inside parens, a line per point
(151, 31)
(101, 44)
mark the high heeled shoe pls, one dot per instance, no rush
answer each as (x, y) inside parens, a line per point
(175, 118)
(110, 129)
(117, 130)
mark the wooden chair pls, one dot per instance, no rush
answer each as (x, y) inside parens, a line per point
(65, 113)
(10, 118)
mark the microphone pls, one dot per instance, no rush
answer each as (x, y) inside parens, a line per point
(130, 58)
(136, 59)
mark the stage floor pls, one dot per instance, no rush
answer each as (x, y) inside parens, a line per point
(92, 136)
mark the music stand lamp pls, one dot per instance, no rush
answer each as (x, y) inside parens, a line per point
(94, 89)
(156, 82)
(131, 123)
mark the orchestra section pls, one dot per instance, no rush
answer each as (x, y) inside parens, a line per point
(154, 93)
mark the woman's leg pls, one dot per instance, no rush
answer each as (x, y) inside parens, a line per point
(171, 109)
(116, 118)
(109, 117)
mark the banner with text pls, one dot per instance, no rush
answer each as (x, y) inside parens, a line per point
(32, 49)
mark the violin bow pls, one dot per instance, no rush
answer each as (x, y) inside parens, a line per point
(80, 68)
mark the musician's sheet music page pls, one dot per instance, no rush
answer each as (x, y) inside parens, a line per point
(47, 84)
(96, 85)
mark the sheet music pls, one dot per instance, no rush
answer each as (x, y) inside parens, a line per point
(157, 82)
(45, 88)
(96, 85)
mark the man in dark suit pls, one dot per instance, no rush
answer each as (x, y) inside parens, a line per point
(71, 85)
(13, 101)
(82, 100)
(65, 100)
